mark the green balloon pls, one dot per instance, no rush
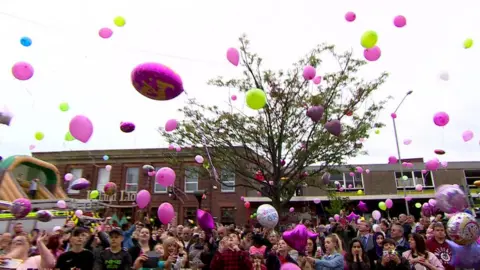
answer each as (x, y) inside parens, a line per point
(64, 106)
(256, 98)
(94, 194)
(369, 39)
(382, 206)
(69, 137)
(418, 205)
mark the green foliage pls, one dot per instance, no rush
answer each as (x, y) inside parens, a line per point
(269, 140)
(337, 203)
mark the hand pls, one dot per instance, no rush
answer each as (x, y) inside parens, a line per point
(139, 261)
(172, 258)
(43, 238)
(236, 248)
(385, 260)
(396, 259)
(311, 260)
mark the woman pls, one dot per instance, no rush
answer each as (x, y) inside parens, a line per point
(18, 255)
(142, 245)
(333, 259)
(280, 256)
(312, 250)
(419, 257)
(376, 252)
(54, 244)
(356, 256)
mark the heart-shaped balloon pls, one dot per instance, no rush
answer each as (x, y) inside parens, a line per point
(297, 238)
(334, 127)
(312, 235)
(205, 220)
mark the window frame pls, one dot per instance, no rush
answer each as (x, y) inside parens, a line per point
(98, 178)
(155, 185)
(127, 184)
(414, 178)
(187, 170)
(343, 182)
(230, 182)
(475, 178)
(232, 209)
(69, 190)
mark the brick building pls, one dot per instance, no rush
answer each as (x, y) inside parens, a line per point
(382, 182)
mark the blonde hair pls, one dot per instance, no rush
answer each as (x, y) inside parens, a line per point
(337, 241)
(167, 242)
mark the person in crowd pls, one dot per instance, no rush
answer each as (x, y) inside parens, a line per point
(257, 262)
(385, 226)
(18, 229)
(143, 244)
(391, 259)
(231, 257)
(54, 244)
(18, 257)
(312, 249)
(365, 235)
(128, 235)
(356, 257)
(258, 244)
(77, 257)
(5, 242)
(439, 247)
(114, 257)
(279, 256)
(418, 255)
(376, 253)
(397, 234)
(32, 192)
(333, 259)
(186, 236)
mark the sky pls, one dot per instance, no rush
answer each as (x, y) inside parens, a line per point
(73, 64)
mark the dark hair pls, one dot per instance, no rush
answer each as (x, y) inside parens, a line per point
(349, 256)
(378, 248)
(389, 241)
(420, 246)
(438, 225)
(78, 231)
(314, 246)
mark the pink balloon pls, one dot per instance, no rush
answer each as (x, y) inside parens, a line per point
(233, 56)
(31, 147)
(367, 170)
(171, 147)
(467, 135)
(407, 141)
(242, 198)
(376, 215)
(79, 213)
(234, 97)
(199, 159)
(352, 174)
(418, 187)
(400, 21)
(372, 54)
(350, 186)
(247, 205)
(81, 128)
(171, 125)
(143, 198)
(22, 71)
(441, 119)
(61, 204)
(205, 220)
(408, 198)
(309, 72)
(444, 164)
(424, 171)
(105, 32)
(289, 266)
(108, 168)
(432, 202)
(165, 212)
(178, 149)
(389, 203)
(316, 201)
(350, 16)
(152, 173)
(336, 217)
(165, 177)
(68, 177)
(291, 209)
(392, 160)
(317, 80)
(359, 169)
(393, 115)
(432, 165)
(297, 238)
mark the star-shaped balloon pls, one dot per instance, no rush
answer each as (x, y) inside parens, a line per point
(297, 238)
(205, 220)
(312, 235)
(465, 256)
(362, 206)
(352, 216)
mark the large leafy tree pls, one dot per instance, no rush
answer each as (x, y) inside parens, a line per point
(280, 141)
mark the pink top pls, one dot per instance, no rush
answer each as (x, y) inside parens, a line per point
(31, 263)
(254, 250)
(432, 259)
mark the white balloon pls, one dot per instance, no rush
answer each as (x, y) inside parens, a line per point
(267, 216)
(444, 76)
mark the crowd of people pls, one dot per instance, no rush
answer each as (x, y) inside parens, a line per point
(398, 243)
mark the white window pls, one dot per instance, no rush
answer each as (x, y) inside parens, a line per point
(157, 188)
(131, 185)
(103, 178)
(414, 178)
(353, 182)
(228, 181)
(77, 173)
(191, 179)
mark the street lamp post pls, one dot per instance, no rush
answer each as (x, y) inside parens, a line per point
(398, 149)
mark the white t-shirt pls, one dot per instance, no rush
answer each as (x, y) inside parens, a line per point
(33, 185)
(31, 263)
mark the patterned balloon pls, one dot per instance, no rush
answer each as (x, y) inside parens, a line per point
(463, 229)
(21, 207)
(44, 215)
(451, 199)
(156, 81)
(267, 216)
(110, 188)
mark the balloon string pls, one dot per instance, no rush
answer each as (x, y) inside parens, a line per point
(214, 170)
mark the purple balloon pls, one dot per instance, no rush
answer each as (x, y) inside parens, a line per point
(205, 220)
(427, 210)
(362, 206)
(450, 199)
(156, 81)
(465, 256)
(79, 184)
(21, 207)
(297, 238)
(127, 127)
(315, 113)
(334, 127)
(312, 235)
(441, 119)
(352, 216)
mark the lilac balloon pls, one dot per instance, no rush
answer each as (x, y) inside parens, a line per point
(205, 220)
(465, 256)
(424, 171)
(143, 198)
(80, 184)
(309, 72)
(297, 238)
(199, 159)
(450, 199)
(441, 119)
(165, 177)
(165, 213)
(432, 165)
(467, 135)
(408, 198)
(350, 16)
(315, 113)
(68, 177)
(334, 127)
(316, 201)
(432, 202)
(367, 170)
(5, 117)
(444, 164)
(359, 169)
(171, 125)
(21, 207)
(427, 210)
(81, 128)
(372, 54)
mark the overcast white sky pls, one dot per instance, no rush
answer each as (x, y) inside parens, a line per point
(72, 63)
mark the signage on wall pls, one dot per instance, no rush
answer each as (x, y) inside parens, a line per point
(119, 196)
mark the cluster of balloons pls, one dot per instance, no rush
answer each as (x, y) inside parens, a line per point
(106, 32)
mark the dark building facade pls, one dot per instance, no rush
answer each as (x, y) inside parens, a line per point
(381, 182)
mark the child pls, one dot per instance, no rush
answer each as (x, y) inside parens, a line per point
(258, 262)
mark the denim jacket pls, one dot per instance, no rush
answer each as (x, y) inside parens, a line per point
(330, 262)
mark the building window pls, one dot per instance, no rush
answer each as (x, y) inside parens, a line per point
(77, 173)
(353, 182)
(103, 178)
(228, 181)
(157, 188)
(227, 215)
(414, 178)
(189, 213)
(133, 174)
(191, 179)
(471, 177)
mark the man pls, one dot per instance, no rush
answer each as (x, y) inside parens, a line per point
(397, 234)
(364, 233)
(179, 231)
(114, 257)
(33, 188)
(186, 236)
(438, 246)
(77, 257)
(231, 258)
(18, 230)
(407, 228)
(5, 242)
